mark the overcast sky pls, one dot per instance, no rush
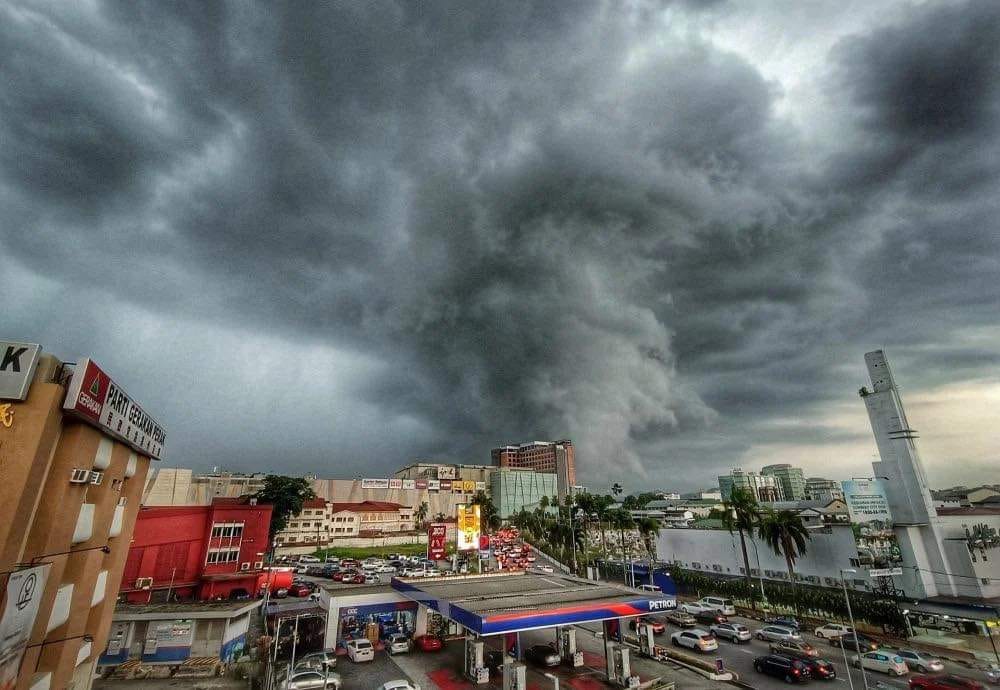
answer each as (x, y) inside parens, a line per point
(335, 237)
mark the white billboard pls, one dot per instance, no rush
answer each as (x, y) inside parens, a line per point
(374, 483)
(17, 367)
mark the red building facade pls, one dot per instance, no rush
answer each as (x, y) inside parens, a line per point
(541, 456)
(196, 552)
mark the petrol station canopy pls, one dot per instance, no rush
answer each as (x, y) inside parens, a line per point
(510, 602)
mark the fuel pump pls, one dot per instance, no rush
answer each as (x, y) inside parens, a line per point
(475, 668)
(567, 646)
(514, 677)
(619, 666)
(646, 642)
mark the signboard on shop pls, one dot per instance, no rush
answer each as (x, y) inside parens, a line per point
(374, 483)
(480, 486)
(469, 487)
(421, 483)
(446, 472)
(409, 484)
(395, 483)
(433, 485)
(21, 603)
(17, 368)
(437, 537)
(96, 399)
(445, 485)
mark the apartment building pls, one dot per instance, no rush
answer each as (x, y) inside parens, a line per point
(74, 453)
(320, 523)
(791, 479)
(763, 487)
(820, 489)
(551, 457)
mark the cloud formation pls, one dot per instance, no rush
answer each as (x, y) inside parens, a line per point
(335, 238)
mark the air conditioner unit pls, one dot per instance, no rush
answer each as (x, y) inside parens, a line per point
(257, 565)
(144, 583)
(244, 566)
(717, 568)
(79, 476)
(96, 477)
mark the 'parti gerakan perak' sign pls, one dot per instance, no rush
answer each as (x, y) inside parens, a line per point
(96, 398)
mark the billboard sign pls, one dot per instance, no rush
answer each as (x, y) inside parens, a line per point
(433, 485)
(445, 485)
(468, 527)
(480, 486)
(421, 483)
(22, 600)
(409, 484)
(374, 483)
(446, 472)
(17, 368)
(96, 399)
(437, 537)
(395, 483)
(871, 521)
(469, 487)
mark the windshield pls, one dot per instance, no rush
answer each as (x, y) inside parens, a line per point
(364, 644)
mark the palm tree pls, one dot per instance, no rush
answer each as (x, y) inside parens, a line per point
(543, 502)
(649, 528)
(741, 514)
(616, 489)
(784, 532)
(421, 513)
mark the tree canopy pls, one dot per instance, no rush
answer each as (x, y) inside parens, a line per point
(286, 495)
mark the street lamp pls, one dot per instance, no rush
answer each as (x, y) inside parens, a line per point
(854, 630)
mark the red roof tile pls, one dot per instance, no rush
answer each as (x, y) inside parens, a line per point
(366, 507)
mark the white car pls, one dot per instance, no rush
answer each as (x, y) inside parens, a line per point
(921, 662)
(734, 632)
(694, 607)
(308, 559)
(695, 639)
(414, 572)
(385, 568)
(310, 680)
(399, 685)
(891, 664)
(830, 631)
(718, 604)
(776, 633)
(544, 569)
(360, 650)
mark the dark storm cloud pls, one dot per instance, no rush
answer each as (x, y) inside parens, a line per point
(506, 221)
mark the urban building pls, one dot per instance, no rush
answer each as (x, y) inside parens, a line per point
(161, 634)
(553, 457)
(321, 523)
(819, 489)
(196, 552)
(699, 508)
(791, 480)
(763, 487)
(440, 470)
(75, 450)
(703, 495)
(179, 486)
(515, 490)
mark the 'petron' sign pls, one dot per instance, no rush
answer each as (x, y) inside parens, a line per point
(96, 399)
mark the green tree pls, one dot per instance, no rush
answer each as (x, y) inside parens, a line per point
(488, 513)
(543, 502)
(649, 528)
(784, 533)
(741, 513)
(421, 514)
(286, 496)
(617, 489)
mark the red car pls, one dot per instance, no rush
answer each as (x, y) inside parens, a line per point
(300, 590)
(338, 576)
(356, 578)
(948, 681)
(658, 627)
(428, 643)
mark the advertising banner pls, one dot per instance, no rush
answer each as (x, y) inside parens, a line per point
(433, 485)
(871, 521)
(446, 472)
(374, 483)
(395, 483)
(437, 537)
(480, 486)
(445, 484)
(409, 484)
(421, 483)
(457, 487)
(469, 487)
(21, 602)
(468, 527)
(17, 367)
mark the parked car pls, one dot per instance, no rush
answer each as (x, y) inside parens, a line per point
(658, 627)
(922, 662)
(544, 568)
(696, 639)
(542, 655)
(310, 680)
(775, 633)
(723, 606)
(302, 570)
(710, 617)
(784, 622)
(399, 685)
(386, 568)
(279, 593)
(948, 681)
(398, 644)
(307, 559)
(885, 662)
(798, 649)
(428, 643)
(693, 607)
(821, 669)
(866, 644)
(300, 589)
(372, 579)
(829, 631)
(680, 618)
(780, 666)
(734, 632)
(317, 661)
(360, 650)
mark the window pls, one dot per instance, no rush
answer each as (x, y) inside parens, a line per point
(223, 555)
(227, 530)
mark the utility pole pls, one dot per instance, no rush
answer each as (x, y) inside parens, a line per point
(854, 631)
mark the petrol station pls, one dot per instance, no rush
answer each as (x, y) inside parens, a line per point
(507, 604)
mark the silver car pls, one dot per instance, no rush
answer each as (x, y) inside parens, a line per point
(921, 661)
(311, 680)
(317, 661)
(777, 633)
(398, 644)
(734, 632)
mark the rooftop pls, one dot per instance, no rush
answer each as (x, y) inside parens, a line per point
(969, 510)
(185, 609)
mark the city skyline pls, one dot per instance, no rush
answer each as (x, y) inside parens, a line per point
(668, 233)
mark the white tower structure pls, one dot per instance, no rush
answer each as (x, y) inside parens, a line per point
(926, 570)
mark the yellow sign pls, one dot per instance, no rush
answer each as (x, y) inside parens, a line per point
(7, 415)
(469, 486)
(993, 624)
(468, 527)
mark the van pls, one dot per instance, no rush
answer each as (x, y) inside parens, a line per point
(723, 606)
